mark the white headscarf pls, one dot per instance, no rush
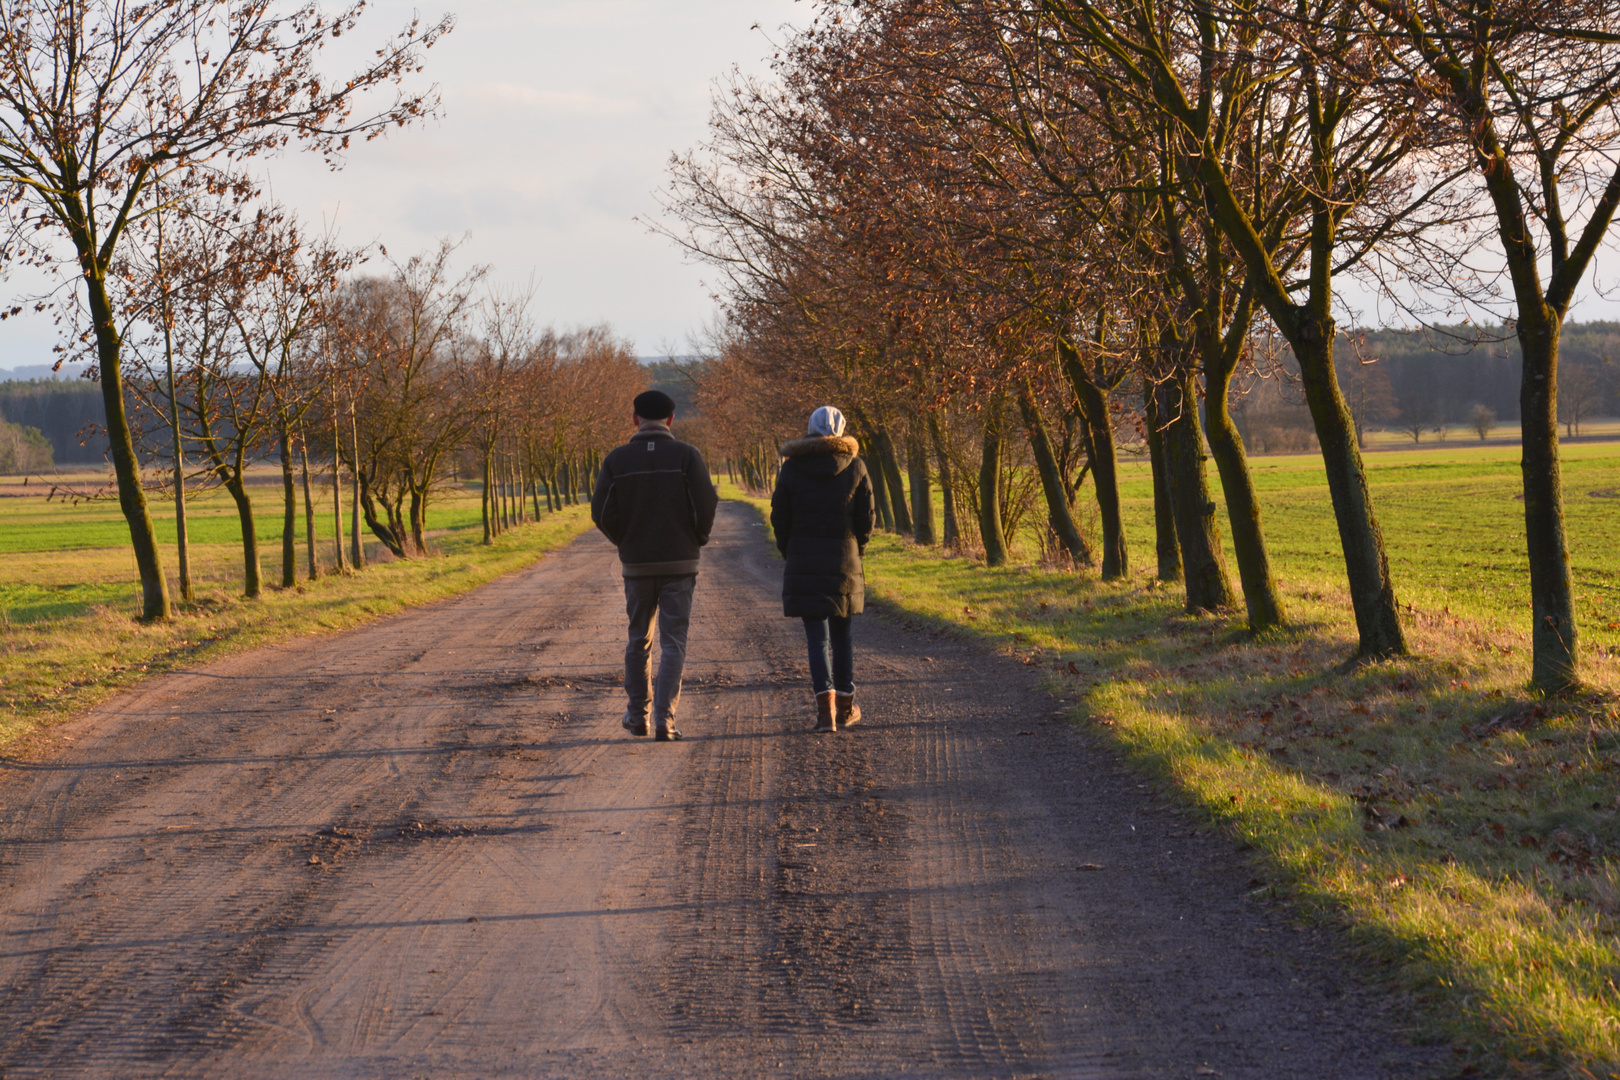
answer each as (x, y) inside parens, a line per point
(827, 421)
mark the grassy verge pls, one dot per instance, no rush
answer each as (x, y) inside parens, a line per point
(69, 639)
(1466, 835)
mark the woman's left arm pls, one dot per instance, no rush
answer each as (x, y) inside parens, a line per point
(860, 507)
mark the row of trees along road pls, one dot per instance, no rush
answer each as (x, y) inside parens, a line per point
(1079, 220)
(262, 343)
(223, 331)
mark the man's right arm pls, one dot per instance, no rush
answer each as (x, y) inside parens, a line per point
(705, 500)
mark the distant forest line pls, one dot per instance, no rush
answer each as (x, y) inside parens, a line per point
(1429, 380)
(1447, 370)
(1393, 379)
(67, 412)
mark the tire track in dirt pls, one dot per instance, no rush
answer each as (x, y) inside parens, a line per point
(424, 847)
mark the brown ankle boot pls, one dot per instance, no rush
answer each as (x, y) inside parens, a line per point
(848, 712)
(824, 712)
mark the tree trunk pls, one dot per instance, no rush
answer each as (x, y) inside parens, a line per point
(388, 532)
(1203, 565)
(485, 504)
(357, 550)
(121, 446)
(337, 492)
(890, 465)
(880, 490)
(503, 493)
(252, 584)
(995, 543)
(309, 509)
(507, 510)
(1093, 404)
(1372, 591)
(1164, 517)
(397, 525)
(289, 513)
(1057, 499)
(922, 502)
(418, 519)
(182, 534)
(1554, 665)
(1260, 597)
(952, 532)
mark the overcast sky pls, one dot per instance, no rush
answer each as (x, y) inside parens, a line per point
(559, 118)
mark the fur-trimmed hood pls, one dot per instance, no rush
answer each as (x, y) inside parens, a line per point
(821, 444)
(821, 455)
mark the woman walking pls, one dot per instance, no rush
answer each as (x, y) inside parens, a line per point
(821, 512)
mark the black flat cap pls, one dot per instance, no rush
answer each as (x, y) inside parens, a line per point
(655, 405)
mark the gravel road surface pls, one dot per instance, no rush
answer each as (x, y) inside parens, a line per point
(426, 848)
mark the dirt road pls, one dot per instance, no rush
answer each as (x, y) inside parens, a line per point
(425, 848)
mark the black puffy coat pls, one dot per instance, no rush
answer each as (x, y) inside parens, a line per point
(821, 512)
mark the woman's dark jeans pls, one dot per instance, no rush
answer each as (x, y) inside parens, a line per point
(832, 654)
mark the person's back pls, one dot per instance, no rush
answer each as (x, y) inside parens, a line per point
(813, 515)
(821, 513)
(655, 501)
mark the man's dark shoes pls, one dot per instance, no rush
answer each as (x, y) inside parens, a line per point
(667, 734)
(635, 725)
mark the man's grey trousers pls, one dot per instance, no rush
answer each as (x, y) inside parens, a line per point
(671, 599)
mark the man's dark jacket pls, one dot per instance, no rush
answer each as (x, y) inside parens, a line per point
(655, 502)
(821, 512)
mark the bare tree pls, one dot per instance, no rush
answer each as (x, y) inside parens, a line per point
(277, 317)
(494, 375)
(406, 335)
(1529, 92)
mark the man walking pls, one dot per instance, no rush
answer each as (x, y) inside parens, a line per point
(655, 502)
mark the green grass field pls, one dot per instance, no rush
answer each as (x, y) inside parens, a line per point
(1463, 833)
(1453, 524)
(69, 592)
